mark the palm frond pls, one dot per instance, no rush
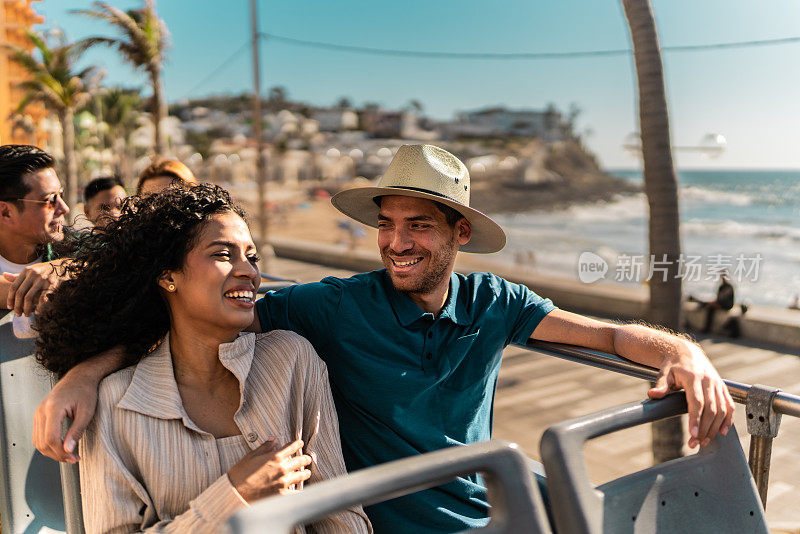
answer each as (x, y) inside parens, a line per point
(53, 80)
(90, 42)
(122, 20)
(90, 72)
(102, 15)
(57, 89)
(23, 103)
(40, 45)
(81, 99)
(23, 58)
(35, 91)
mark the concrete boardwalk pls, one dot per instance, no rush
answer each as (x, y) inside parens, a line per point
(536, 391)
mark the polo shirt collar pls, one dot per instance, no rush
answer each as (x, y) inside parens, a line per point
(407, 311)
(455, 307)
(154, 392)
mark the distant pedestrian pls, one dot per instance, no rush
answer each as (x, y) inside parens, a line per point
(795, 305)
(353, 233)
(724, 302)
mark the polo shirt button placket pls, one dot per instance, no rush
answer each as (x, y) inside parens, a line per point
(428, 355)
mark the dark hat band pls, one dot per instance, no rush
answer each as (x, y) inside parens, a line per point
(428, 191)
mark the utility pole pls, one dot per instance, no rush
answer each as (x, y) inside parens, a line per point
(261, 175)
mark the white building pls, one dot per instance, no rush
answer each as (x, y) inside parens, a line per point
(336, 120)
(502, 122)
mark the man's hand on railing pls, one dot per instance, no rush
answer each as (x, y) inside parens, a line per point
(682, 365)
(710, 404)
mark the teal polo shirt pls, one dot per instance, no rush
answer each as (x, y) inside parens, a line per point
(406, 382)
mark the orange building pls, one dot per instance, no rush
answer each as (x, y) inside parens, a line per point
(16, 17)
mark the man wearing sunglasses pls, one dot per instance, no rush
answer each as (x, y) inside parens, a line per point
(32, 214)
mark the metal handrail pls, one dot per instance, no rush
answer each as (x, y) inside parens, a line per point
(70, 486)
(783, 403)
(760, 439)
(273, 278)
(515, 502)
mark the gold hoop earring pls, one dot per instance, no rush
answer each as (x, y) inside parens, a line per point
(171, 287)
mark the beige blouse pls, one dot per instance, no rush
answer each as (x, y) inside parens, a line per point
(146, 466)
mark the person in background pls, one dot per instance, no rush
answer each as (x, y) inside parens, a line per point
(723, 302)
(162, 174)
(203, 421)
(103, 199)
(32, 217)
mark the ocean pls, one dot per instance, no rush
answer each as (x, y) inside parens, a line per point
(744, 221)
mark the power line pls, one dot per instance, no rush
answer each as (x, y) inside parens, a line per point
(516, 55)
(735, 44)
(440, 55)
(485, 55)
(217, 70)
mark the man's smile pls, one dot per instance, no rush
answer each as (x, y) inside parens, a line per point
(405, 263)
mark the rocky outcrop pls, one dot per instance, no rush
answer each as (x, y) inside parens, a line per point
(543, 176)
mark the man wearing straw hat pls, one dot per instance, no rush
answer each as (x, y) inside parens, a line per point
(413, 350)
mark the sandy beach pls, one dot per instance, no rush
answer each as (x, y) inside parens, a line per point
(318, 220)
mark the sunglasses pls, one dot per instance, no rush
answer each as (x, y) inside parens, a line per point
(51, 200)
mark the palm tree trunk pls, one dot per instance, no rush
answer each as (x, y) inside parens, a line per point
(661, 187)
(124, 163)
(159, 110)
(65, 116)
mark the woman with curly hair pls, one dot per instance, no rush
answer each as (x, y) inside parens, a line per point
(199, 427)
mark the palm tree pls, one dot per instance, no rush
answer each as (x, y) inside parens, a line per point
(415, 106)
(343, 103)
(142, 43)
(277, 98)
(119, 107)
(54, 81)
(661, 188)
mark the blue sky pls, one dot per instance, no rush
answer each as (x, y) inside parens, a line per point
(749, 95)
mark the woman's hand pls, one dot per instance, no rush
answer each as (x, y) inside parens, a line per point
(264, 471)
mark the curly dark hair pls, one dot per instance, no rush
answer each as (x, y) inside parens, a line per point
(112, 298)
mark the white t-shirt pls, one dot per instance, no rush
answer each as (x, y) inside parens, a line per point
(23, 326)
(16, 268)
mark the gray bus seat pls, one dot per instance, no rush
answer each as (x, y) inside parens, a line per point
(711, 491)
(516, 504)
(31, 497)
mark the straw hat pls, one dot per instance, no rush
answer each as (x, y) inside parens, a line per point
(424, 171)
